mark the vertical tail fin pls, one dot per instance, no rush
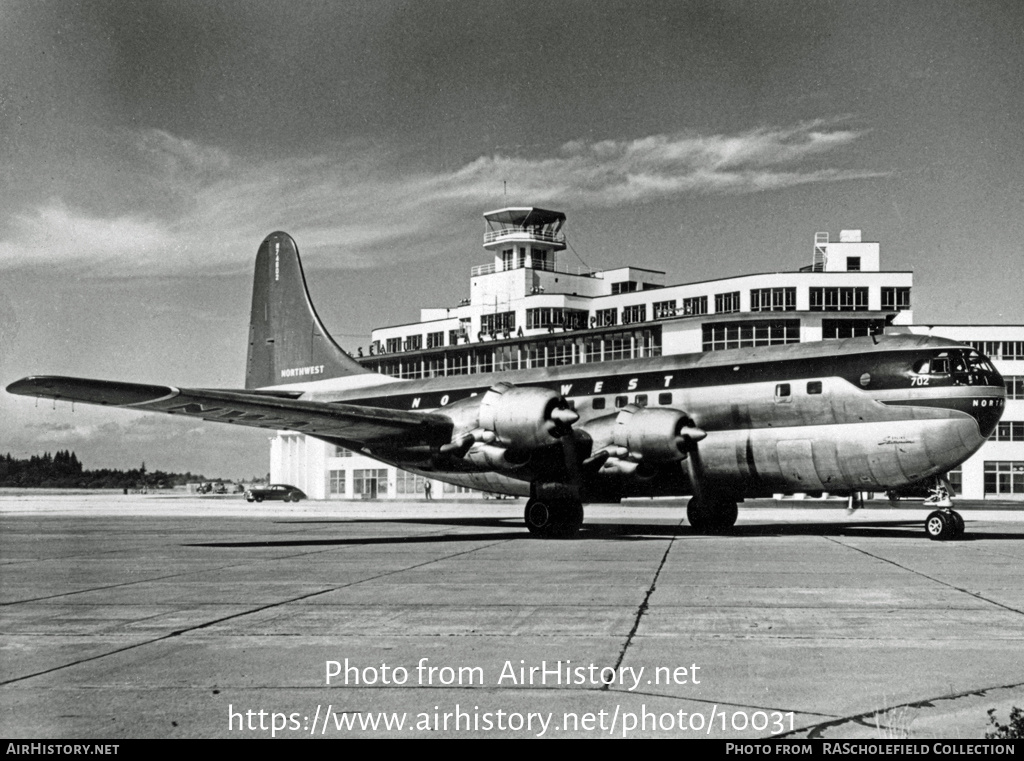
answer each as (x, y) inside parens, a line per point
(287, 341)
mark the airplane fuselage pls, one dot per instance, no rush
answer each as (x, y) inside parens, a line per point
(836, 416)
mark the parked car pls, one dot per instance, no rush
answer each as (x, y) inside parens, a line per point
(275, 491)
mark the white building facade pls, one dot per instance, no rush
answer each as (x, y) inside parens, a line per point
(526, 309)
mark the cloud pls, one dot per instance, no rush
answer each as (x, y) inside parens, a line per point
(196, 206)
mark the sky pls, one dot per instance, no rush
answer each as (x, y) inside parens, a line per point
(149, 146)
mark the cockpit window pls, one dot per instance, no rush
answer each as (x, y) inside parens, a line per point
(962, 367)
(979, 364)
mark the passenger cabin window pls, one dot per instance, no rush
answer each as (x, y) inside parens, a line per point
(665, 398)
(598, 403)
(640, 400)
(814, 387)
(782, 391)
(621, 401)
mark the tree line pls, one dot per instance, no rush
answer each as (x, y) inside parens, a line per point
(63, 470)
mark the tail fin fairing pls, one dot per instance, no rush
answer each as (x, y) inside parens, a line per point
(287, 341)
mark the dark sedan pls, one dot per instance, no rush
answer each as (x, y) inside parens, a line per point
(275, 491)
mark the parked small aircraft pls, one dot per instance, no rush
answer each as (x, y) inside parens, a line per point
(868, 414)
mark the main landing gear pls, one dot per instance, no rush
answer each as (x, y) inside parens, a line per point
(944, 524)
(711, 516)
(556, 517)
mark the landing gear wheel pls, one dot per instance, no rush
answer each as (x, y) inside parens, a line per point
(958, 521)
(713, 516)
(553, 518)
(940, 526)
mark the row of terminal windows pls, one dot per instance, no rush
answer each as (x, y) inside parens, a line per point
(761, 300)
(1014, 386)
(1000, 349)
(556, 317)
(725, 335)
(895, 299)
(839, 299)
(1008, 430)
(370, 482)
(482, 358)
(773, 300)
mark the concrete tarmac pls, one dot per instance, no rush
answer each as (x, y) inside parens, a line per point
(148, 616)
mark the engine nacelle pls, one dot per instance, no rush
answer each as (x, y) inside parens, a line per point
(490, 457)
(523, 419)
(649, 435)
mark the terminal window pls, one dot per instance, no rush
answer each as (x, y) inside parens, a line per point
(634, 313)
(664, 309)
(1008, 430)
(336, 484)
(727, 302)
(694, 305)
(408, 483)
(1014, 386)
(738, 335)
(498, 323)
(1004, 477)
(851, 328)
(895, 299)
(839, 299)
(773, 300)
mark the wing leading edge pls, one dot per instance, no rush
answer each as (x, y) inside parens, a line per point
(276, 410)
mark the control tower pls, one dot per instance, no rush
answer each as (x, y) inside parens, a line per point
(524, 237)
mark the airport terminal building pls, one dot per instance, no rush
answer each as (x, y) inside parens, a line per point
(527, 309)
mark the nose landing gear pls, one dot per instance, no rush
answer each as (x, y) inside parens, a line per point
(944, 524)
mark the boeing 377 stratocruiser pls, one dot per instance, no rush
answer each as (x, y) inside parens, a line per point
(841, 416)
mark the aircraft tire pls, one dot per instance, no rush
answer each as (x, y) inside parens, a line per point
(553, 519)
(715, 517)
(939, 526)
(959, 525)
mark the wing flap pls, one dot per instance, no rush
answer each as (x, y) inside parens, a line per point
(259, 410)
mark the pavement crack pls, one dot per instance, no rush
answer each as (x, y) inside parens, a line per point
(259, 609)
(642, 609)
(946, 584)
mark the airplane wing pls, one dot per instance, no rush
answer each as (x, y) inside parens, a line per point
(273, 409)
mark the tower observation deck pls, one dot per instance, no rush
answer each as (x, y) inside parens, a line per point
(522, 236)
